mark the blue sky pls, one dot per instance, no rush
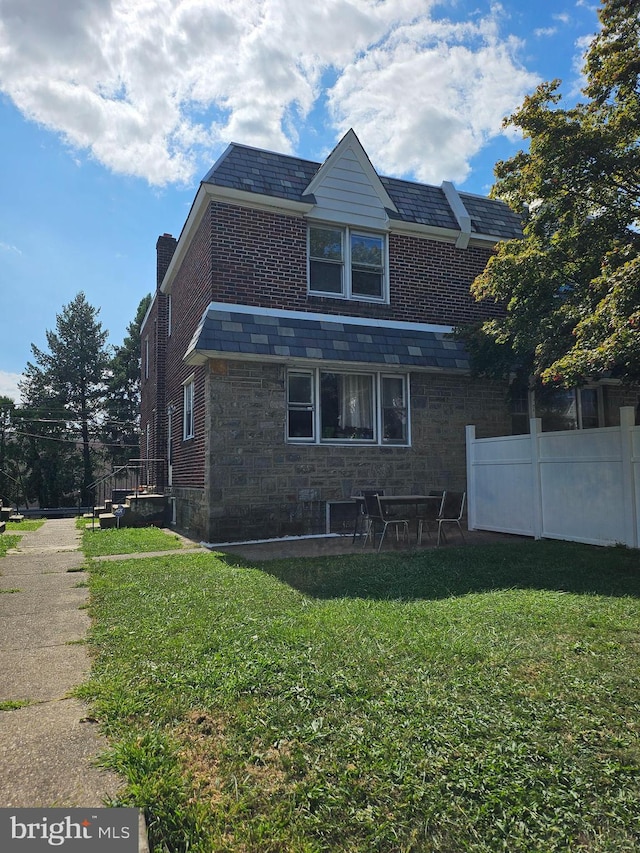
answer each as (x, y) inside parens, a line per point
(111, 111)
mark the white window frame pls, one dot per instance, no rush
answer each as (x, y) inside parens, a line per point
(169, 315)
(188, 409)
(146, 357)
(314, 406)
(346, 263)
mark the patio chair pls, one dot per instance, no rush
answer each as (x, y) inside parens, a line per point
(452, 512)
(429, 513)
(361, 524)
(377, 515)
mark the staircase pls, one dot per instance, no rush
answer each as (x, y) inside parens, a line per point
(132, 495)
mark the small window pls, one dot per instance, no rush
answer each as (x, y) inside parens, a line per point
(188, 423)
(300, 406)
(347, 263)
(169, 315)
(589, 408)
(394, 410)
(366, 266)
(326, 260)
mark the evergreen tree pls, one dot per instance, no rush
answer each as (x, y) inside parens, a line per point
(571, 288)
(122, 435)
(64, 391)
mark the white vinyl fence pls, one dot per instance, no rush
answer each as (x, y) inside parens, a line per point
(580, 485)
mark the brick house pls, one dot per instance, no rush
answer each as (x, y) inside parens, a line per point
(298, 347)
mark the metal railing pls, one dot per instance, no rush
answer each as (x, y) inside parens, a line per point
(138, 476)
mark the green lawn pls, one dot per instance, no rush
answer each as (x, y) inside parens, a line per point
(459, 699)
(13, 533)
(126, 540)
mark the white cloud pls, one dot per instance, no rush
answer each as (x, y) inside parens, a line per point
(9, 247)
(9, 385)
(153, 87)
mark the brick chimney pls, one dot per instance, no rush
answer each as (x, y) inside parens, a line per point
(165, 247)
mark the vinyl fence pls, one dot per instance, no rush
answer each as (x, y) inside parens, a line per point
(580, 485)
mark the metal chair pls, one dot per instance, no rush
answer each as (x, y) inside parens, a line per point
(376, 514)
(361, 524)
(431, 512)
(452, 512)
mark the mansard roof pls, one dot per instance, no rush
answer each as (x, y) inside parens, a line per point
(281, 176)
(242, 331)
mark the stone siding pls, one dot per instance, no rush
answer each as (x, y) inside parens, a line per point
(260, 486)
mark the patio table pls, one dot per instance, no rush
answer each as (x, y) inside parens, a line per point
(389, 501)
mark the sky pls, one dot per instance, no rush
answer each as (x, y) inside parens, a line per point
(112, 111)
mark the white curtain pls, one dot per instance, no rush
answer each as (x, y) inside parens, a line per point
(356, 399)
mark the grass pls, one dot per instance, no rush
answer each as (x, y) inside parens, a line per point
(14, 704)
(127, 540)
(7, 542)
(460, 699)
(26, 525)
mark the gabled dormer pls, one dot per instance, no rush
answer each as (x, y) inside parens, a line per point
(346, 188)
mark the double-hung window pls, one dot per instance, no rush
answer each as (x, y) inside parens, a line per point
(334, 406)
(188, 430)
(347, 263)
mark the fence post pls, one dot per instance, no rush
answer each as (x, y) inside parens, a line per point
(535, 428)
(627, 422)
(470, 435)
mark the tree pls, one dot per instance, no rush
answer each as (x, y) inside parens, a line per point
(7, 445)
(121, 432)
(571, 287)
(64, 389)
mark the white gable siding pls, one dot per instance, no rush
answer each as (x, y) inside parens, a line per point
(345, 194)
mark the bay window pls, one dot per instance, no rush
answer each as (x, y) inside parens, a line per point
(347, 263)
(335, 406)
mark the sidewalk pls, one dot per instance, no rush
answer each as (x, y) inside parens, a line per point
(47, 748)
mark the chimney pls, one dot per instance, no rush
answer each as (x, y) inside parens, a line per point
(165, 247)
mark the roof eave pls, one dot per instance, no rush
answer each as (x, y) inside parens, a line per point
(210, 192)
(199, 357)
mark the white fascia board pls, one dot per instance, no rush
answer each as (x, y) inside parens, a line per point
(442, 235)
(212, 192)
(186, 235)
(327, 318)
(419, 229)
(246, 198)
(146, 316)
(484, 241)
(200, 357)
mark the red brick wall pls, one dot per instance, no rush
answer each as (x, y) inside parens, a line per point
(190, 295)
(260, 258)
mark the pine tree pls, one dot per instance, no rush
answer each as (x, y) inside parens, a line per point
(64, 391)
(122, 435)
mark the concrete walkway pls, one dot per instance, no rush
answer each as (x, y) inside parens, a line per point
(48, 747)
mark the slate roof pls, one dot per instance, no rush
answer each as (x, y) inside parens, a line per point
(247, 333)
(282, 176)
